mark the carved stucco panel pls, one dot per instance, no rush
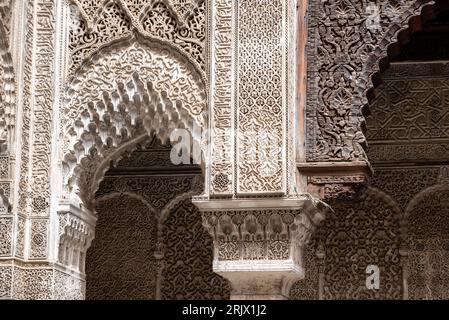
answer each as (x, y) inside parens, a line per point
(346, 42)
(97, 24)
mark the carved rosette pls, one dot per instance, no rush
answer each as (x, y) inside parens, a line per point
(260, 251)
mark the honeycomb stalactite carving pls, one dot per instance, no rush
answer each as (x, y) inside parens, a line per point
(96, 24)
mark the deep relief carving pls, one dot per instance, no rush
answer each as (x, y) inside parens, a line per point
(24, 182)
(39, 239)
(169, 255)
(37, 112)
(97, 24)
(428, 242)
(7, 119)
(411, 104)
(158, 191)
(411, 110)
(5, 236)
(308, 288)
(260, 99)
(6, 7)
(261, 252)
(5, 196)
(68, 287)
(7, 86)
(121, 263)
(373, 230)
(128, 92)
(4, 166)
(251, 98)
(6, 281)
(221, 175)
(20, 237)
(33, 284)
(404, 183)
(347, 40)
(75, 237)
(258, 235)
(362, 233)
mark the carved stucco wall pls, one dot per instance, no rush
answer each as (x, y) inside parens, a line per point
(128, 90)
(251, 102)
(344, 52)
(141, 68)
(121, 262)
(7, 107)
(149, 240)
(347, 46)
(42, 41)
(400, 223)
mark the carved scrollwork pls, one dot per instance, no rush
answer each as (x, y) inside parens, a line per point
(7, 82)
(128, 92)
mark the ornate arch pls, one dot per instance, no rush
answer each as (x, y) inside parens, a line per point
(7, 82)
(182, 250)
(126, 92)
(349, 44)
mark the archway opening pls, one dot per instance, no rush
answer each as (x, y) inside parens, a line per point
(149, 240)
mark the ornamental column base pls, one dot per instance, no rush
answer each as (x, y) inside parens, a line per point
(258, 243)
